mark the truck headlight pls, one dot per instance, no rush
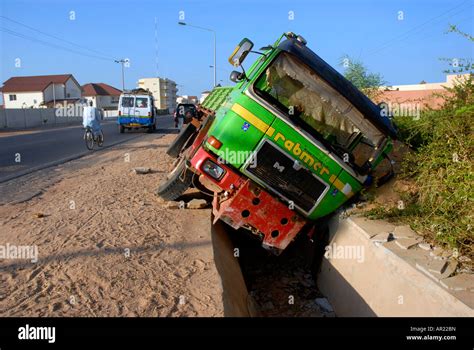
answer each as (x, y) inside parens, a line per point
(212, 169)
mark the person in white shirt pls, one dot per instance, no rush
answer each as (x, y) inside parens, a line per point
(91, 118)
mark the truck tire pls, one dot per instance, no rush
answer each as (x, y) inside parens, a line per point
(176, 182)
(177, 145)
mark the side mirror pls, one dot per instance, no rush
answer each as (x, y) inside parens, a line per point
(236, 76)
(240, 52)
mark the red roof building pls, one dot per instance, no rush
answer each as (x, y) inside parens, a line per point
(40, 90)
(102, 95)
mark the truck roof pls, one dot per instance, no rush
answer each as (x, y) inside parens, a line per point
(337, 81)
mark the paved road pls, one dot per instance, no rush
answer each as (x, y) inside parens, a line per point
(40, 148)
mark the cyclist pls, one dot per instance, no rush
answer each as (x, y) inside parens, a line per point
(91, 119)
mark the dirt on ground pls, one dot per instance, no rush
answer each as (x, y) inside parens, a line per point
(106, 245)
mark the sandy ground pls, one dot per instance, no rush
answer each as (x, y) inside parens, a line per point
(106, 245)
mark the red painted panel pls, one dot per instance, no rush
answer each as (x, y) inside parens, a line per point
(251, 205)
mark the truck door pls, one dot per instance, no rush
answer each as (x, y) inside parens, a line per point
(142, 109)
(127, 108)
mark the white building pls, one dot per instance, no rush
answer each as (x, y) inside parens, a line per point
(204, 94)
(187, 99)
(163, 90)
(103, 96)
(40, 91)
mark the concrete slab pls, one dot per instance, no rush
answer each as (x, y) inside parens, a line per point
(373, 228)
(461, 282)
(404, 232)
(425, 246)
(406, 243)
(437, 269)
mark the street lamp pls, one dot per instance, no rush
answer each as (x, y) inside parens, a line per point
(208, 30)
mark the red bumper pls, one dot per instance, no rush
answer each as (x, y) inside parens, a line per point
(245, 204)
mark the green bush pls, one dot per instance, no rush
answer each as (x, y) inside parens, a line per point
(441, 167)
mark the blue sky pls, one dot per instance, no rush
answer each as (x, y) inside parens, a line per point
(403, 51)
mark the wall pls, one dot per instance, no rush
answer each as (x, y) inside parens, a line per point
(33, 117)
(58, 92)
(106, 102)
(23, 97)
(386, 282)
(73, 89)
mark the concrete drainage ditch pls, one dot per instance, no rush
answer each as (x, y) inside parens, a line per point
(375, 278)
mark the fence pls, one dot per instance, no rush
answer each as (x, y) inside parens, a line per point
(14, 118)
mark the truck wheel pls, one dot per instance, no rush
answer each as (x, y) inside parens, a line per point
(149, 129)
(177, 145)
(121, 129)
(176, 182)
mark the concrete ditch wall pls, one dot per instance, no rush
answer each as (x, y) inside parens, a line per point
(237, 302)
(388, 280)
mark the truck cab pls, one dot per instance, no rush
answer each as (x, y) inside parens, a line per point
(288, 145)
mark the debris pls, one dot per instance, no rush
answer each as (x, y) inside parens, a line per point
(39, 215)
(464, 259)
(173, 205)
(141, 170)
(197, 204)
(461, 282)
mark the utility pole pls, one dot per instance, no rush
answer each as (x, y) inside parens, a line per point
(122, 61)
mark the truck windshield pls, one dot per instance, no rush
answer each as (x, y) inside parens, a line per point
(314, 106)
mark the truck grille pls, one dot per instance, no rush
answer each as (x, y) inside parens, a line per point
(278, 171)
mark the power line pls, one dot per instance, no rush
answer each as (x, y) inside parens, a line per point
(406, 34)
(20, 35)
(427, 36)
(56, 38)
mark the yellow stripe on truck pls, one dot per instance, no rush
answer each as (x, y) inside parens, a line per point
(344, 188)
(250, 117)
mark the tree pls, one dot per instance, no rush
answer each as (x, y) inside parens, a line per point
(357, 73)
(460, 65)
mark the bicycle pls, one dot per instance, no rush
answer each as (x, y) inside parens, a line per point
(90, 139)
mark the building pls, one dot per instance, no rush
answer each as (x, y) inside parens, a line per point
(204, 94)
(103, 96)
(40, 91)
(187, 99)
(416, 97)
(163, 90)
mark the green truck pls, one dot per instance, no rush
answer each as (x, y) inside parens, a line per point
(290, 143)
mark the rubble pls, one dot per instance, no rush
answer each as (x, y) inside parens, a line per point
(141, 170)
(197, 204)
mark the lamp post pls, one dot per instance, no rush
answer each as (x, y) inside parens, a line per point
(214, 33)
